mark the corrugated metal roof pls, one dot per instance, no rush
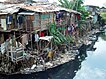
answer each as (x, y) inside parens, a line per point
(40, 0)
(12, 1)
(68, 10)
(36, 7)
(40, 8)
(2, 0)
(9, 8)
(48, 8)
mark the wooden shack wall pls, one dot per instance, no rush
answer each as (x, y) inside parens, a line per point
(45, 19)
(1, 38)
(9, 25)
(2, 17)
(36, 22)
(28, 22)
(41, 20)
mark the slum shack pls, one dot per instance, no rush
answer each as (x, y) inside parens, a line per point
(37, 17)
(17, 31)
(11, 50)
(30, 40)
(67, 23)
(6, 25)
(2, 28)
(93, 10)
(68, 20)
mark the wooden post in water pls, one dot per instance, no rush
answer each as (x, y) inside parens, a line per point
(31, 34)
(26, 24)
(40, 28)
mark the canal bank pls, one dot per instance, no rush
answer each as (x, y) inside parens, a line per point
(94, 67)
(64, 71)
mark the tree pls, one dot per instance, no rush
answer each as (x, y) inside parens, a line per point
(103, 15)
(78, 6)
(103, 36)
(66, 3)
(71, 4)
(104, 5)
(75, 5)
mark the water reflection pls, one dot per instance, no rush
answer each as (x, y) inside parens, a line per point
(68, 71)
(94, 67)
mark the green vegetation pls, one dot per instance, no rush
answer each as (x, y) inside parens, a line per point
(66, 3)
(103, 15)
(75, 5)
(59, 38)
(103, 36)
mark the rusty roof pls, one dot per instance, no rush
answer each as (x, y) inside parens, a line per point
(9, 8)
(12, 1)
(40, 8)
(36, 7)
(68, 10)
(47, 8)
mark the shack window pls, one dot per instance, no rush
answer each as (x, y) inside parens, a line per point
(45, 16)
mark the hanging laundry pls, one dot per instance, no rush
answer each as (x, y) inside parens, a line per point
(3, 24)
(20, 20)
(69, 28)
(78, 16)
(17, 46)
(36, 37)
(66, 31)
(10, 41)
(24, 39)
(73, 27)
(59, 15)
(9, 19)
(3, 48)
(41, 34)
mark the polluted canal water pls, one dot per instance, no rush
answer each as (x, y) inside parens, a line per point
(94, 67)
(87, 65)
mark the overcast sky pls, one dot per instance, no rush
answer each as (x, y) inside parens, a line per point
(95, 2)
(90, 2)
(87, 2)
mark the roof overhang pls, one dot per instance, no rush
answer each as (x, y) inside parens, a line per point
(26, 13)
(3, 13)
